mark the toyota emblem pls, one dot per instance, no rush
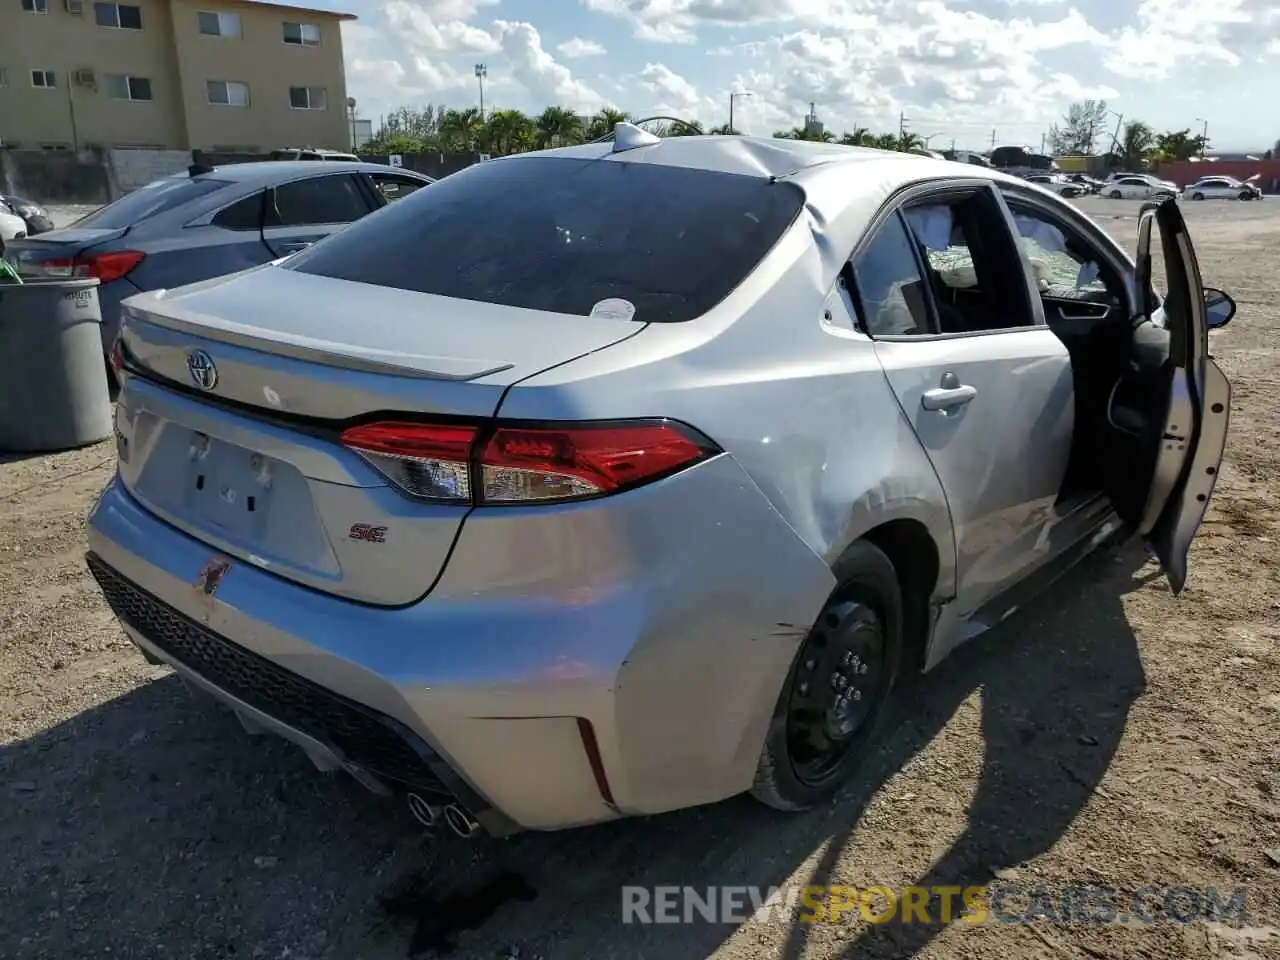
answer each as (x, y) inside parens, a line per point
(203, 373)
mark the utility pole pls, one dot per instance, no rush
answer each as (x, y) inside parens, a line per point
(71, 112)
(481, 72)
(1042, 143)
(902, 126)
(1204, 137)
(993, 138)
(733, 97)
(953, 144)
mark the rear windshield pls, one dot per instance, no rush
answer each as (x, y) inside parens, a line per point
(563, 235)
(156, 197)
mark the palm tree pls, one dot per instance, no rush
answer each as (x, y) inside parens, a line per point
(884, 141)
(461, 129)
(1137, 145)
(906, 141)
(558, 127)
(724, 130)
(861, 137)
(508, 131)
(603, 122)
(684, 128)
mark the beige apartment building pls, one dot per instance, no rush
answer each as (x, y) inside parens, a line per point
(233, 75)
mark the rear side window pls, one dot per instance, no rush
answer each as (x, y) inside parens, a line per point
(317, 200)
(561, 235)
(245, 214)
(155, 198)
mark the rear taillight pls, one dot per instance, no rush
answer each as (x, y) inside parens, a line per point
(526, 464)
(105, 266)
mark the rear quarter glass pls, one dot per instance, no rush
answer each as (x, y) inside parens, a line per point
(149, 201)
(562, 235)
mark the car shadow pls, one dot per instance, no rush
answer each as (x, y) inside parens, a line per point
(185, 840)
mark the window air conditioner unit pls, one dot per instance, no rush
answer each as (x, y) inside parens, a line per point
(85, 78)
(75, 7)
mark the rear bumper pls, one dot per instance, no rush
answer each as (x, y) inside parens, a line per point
(550, 679)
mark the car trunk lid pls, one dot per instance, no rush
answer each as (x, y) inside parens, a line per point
(50, 254)
(231, 432)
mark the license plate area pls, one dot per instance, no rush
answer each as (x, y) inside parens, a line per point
(229, 488)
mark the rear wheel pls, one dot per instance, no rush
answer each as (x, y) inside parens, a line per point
(835, 694)
(1197, 196)
(1246, 195)
(1116, 195)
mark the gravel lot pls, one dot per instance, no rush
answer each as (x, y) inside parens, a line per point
(1108, 734)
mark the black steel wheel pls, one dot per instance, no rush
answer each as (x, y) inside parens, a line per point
(834, 696)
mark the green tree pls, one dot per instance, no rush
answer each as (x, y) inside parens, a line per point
(1180, 145)
(724, 131)
(884, 141)
(684, 128)
(557, 127)
(1136, 145)
(506, 132)
(907, 141)
(460, 130)
(860, 137)
(602, 123)
(1080, 129)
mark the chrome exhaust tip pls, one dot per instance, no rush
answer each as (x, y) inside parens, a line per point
(461, 822)
(422, 811)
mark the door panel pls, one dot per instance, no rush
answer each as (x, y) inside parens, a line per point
(304, 212)
(995, 415)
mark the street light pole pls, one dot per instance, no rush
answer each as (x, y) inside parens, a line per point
(351, 112)
(481, 72)
(1204, 136)
(733, 97)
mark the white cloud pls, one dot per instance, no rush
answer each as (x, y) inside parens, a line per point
(578, 47)
(955, 67)
(547, 80)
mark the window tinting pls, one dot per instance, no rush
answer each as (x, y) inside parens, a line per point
(154, 198)
(561, 235)
(244, 214)
(333, 199)
(894, 302)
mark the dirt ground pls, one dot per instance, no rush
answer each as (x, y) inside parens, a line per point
(1107, 735)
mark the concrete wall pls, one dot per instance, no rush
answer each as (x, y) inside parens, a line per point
(56, 177)
(131, 169)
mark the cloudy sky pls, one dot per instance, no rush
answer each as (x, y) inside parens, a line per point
(958, 69)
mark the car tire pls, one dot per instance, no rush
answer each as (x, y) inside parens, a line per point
(1246, 195)
(1197, 196)
(1116, 195)
(858, 637)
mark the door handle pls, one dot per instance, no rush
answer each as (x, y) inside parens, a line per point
(951, 394)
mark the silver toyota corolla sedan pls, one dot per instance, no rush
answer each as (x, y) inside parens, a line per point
(626, 477)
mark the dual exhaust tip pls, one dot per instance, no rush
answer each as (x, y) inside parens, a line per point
(458, 819)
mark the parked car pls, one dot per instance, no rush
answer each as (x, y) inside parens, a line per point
(207, 222)
(1057, 183)
(1090, 184)
(594, 515)
(312, 153)
(1223, 188)
(36, 217)
(12, 227)
(1139, 186)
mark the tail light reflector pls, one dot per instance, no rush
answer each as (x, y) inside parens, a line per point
(526, 464)
(105, 266)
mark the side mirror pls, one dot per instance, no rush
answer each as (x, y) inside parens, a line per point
(1219, 307)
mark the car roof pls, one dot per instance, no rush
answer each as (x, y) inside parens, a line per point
(263, 172)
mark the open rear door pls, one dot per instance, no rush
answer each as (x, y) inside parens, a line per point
(1197, 399)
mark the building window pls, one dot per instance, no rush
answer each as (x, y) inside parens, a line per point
(45, 79)
(227, 93)
(219, 24)
(302, 34)
(122, 87)
(35, 6)
(55, 146)
(118, 15)
(307, 98)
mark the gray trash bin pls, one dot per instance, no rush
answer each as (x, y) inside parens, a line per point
(53, 378)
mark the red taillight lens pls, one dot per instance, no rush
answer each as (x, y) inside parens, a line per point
(430, 461)
(536, 464)
(105, 266)
(522, 464)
